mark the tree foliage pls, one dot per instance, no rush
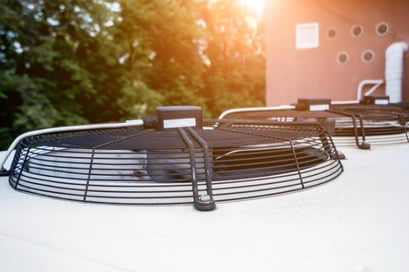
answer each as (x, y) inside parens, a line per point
(80, 61)
(235, 49)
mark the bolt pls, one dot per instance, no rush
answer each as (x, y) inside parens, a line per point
(204, 197)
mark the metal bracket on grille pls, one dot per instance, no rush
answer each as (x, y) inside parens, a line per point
(202, 201)
(363, 144)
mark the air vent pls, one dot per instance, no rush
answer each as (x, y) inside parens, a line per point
(222, 160)
(383, 122)
(348, 123)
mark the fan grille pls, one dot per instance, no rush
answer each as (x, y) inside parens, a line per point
(381, 123)
(230, 160)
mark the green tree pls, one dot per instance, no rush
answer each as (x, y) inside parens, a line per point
(59, 65)
(166, 35)
(66, 62)
(235, 75)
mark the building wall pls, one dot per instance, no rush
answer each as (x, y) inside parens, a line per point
(320, 72)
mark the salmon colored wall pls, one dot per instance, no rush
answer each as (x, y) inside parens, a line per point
(315, 73)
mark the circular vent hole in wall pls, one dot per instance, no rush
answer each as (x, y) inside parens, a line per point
(367, 56)
(382, 29)
(332, 33)
(357, 31)
(342, 57)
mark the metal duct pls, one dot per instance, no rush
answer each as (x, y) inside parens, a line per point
(394, 70)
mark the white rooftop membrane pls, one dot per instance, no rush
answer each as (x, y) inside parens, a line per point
(357, 222)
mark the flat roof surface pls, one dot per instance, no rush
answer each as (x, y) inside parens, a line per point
(358, 222)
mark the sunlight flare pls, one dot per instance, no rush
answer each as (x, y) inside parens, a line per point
(256, 6)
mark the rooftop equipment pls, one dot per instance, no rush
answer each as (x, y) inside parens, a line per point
(372, 117)
(175, 157)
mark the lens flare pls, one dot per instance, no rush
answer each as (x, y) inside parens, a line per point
(256, 6)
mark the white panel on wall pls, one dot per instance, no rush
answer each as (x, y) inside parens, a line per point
(307, 35)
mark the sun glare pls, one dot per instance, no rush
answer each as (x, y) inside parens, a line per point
(256, 6)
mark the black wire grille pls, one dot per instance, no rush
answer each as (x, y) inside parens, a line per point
(228, 160)
(383, 123)
(347, 123)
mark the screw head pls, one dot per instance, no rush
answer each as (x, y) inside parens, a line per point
(204, 197)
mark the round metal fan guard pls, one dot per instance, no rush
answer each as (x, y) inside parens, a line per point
(134, 165)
